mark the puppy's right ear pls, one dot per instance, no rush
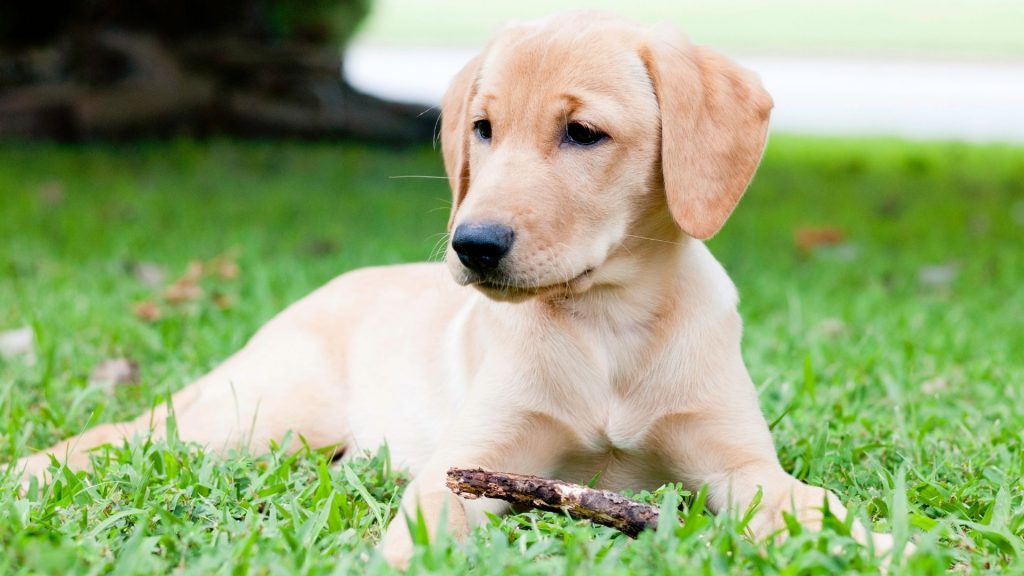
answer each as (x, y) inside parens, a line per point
(455, 131)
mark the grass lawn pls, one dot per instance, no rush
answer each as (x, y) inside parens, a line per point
(890, 363)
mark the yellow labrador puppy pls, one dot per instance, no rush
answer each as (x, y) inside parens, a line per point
(587, 330)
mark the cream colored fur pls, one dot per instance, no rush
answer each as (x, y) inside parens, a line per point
(611, 341)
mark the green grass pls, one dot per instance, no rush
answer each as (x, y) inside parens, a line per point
(905, 397)
(807, 28)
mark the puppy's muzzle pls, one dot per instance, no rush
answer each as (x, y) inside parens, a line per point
(482, 245)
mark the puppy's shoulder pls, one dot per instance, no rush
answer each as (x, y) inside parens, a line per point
(356, 292)
(705, 281)
(391, 275)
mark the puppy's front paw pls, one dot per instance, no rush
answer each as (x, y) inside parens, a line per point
(397, 547)
(35, 466)
(808, 503)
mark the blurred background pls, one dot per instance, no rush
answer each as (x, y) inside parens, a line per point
(917, 68)
(114, 68)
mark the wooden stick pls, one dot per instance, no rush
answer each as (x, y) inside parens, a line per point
(598, 506)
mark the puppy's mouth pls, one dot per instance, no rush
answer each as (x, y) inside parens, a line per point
(511, 291)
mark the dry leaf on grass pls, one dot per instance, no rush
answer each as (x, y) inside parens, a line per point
(18, 342)
(182, 291)
(225, 266)
(807, 239)
(113, 372)
(193, 272)
(223, 301)
(147, 310)
(186, 288)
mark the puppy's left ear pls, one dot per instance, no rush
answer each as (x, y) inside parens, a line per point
(714, 123)
(455, 131)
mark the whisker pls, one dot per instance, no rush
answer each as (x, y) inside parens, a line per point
(440, 247)
(626, 248)
(446, 205)
(437, 254)
(429, 108)
(436, 136)
(653, 239)
(418, 176)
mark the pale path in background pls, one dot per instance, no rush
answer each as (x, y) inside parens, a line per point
(968, 101)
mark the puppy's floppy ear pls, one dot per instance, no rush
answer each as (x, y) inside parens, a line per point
(714, 122)
(455, 131)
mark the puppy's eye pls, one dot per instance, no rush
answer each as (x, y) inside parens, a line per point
(482, 129)
(584, 135)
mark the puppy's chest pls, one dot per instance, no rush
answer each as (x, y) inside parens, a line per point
(624, 385)
(616, 443)
(617, 430)
(615, 438)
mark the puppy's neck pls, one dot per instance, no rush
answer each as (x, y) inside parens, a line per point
(640, 279)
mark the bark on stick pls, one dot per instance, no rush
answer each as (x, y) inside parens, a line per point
(598, 506)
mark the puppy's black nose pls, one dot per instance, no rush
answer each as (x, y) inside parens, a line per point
(482, 245)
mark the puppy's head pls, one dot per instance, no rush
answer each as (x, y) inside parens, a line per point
(565, 135)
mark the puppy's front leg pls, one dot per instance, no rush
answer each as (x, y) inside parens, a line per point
(487, 435)
(727, 446)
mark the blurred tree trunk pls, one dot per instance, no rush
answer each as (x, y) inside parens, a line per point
(83, 69)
